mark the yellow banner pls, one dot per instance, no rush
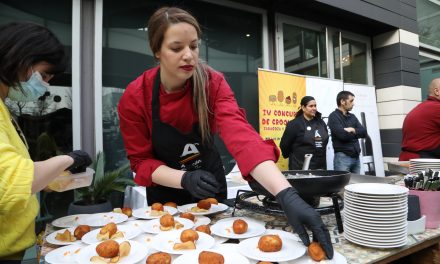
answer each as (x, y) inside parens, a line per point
(279, 99)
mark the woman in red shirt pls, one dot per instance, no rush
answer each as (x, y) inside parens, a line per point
(168, 117)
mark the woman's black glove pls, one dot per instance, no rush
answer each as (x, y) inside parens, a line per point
(200, 183)
(301, 215)
(80, 161)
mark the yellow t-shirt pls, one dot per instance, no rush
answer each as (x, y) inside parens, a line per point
(18, 206)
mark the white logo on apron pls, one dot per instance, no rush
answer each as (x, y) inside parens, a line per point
(189, 155)
(190, 149)
(317, 135)
(318, 139)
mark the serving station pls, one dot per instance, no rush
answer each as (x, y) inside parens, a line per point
(266, 218)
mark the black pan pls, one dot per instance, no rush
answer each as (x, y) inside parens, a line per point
(328, 182)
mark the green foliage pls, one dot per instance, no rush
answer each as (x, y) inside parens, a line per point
(104, 182)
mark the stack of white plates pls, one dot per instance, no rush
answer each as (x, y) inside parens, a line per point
(375, 214)
(416, 165)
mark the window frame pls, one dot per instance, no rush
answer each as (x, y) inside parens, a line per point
(76, 75)
(281, 19)
(367, 42)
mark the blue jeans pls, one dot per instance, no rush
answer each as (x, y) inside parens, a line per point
(342, 162)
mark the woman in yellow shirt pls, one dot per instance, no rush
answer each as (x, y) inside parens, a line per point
(29, 57)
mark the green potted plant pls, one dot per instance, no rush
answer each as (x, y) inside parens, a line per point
(95, 198)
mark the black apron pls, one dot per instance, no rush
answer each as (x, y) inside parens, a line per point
(181, 152)
(314, 142)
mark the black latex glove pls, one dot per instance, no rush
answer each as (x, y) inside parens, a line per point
(200, 183)
(301, 215)
(80, 161)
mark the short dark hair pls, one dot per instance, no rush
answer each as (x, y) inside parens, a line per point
(23, 44)
(343, 95)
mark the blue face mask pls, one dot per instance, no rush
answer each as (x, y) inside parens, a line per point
(32, 88)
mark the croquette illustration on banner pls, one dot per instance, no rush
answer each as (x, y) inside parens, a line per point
(278, 103)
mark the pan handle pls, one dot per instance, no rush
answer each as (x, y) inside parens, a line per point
(306, 163)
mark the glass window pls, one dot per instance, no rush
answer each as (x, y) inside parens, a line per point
(304, 51)
(46, 123)
(428, 17)
(231, 43)
(336, 56)
(429, 70)
(354, 60)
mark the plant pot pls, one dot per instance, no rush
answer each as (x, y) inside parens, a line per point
(79, 207)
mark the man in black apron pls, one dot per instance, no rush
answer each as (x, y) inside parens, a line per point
(185, 152)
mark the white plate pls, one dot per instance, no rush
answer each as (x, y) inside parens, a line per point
(219, 240)
(423, 166)
(364, 197)
(215, 208)
(428, 165)
(291, 250)
(101, 219)
(145, 239)
(238, 217)
(387, 198)
(51, 237)
(397, 239)
(373, 212)
(380, 235)
(137, 253)
(375, 238)
(372, 202)
(376, 189)
(62, 255)
(379, 207)
(229, 256)
(283, 234)
(395, 225)
(224, 228)
(372, 198)
(201, 220)
(135, 224)
(374, 244)
(338, 258)
(144, 212)
(68, 221)
(380, 228)
(383, 221)
(227, 246)
(389, 217)
(424, 160)
(377, 210)
(376, 213)
(165, 241)
(129, 233)
(153, 226)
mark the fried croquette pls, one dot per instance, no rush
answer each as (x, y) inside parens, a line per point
(108, 249)
(270, 243)
(209, 257)
(239, 226)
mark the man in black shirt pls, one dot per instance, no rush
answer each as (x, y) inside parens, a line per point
(345, 132)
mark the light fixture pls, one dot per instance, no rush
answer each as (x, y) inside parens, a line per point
(143, 29)
(248, 35)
